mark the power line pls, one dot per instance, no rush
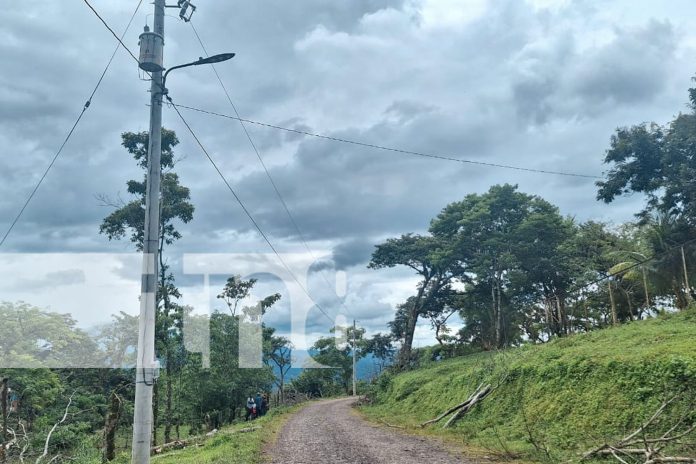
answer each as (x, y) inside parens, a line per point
(391, 149)
(74, 126)
(246, 210)
(120, 39)
(265, 168)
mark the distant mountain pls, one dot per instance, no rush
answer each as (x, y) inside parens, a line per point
(366, 369)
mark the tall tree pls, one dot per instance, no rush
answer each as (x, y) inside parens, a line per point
(430, 259)
(278, 355)
(336, 352)
(129, 220)
(381, 347)
(489, 233)
(658, 161)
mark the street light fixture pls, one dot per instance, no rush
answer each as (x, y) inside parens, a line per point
(210, 60)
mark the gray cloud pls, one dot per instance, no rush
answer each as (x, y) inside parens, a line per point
(53, 280)
(352, 253)
(539, 88)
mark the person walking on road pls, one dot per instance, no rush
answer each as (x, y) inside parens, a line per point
(260, 404)
(250, 409)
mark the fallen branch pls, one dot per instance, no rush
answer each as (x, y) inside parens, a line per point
(196, 441)
(478, 397)
(177, 444)
(638, 444)
(248, 429)
(391, 425)
(480, 393)
(672, 459)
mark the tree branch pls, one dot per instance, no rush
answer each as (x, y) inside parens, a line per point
(53, 429)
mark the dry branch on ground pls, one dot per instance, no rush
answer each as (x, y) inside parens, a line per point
(639, 448)
(462, 408)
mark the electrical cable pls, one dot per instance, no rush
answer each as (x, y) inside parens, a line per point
(74, 126)
(391, 149)
(246, 210)
(265, 168)
(120, 39)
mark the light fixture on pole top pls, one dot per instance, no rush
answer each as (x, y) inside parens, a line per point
(210, 60)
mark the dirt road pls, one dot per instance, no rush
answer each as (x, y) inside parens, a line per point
(331, 432)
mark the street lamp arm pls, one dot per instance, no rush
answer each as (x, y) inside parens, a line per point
(210, 60)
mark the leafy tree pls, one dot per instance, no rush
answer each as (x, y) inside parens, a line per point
(430, 259)
(658, 161)
(129, 219)
(492, 234)
(32, 338)
(381, 347)
(235, 291)
(337, 355)
(278, 355)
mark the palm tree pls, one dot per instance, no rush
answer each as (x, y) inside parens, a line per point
(664, 236)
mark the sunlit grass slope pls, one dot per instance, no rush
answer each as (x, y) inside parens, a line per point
(565, 396)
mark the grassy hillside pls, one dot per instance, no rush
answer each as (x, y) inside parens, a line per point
(567, 396)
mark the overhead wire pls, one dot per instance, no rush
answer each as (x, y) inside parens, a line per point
(237, 198)
(390, 149)
(265, 168)
(77, 120)
(120, 39)
(247, 212)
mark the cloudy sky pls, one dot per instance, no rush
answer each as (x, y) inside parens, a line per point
(538, 83)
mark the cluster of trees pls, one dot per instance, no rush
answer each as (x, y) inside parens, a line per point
(516, 270)
(54, 410)
(336, 354)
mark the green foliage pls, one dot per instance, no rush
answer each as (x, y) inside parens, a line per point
(572, 393)
(35, 338)
(657, 161)
(129, 218)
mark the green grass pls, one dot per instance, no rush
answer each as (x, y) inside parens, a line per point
(228, 446)
(570, 394)
(231, 447)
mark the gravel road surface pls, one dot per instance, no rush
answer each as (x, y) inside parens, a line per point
(331, 432)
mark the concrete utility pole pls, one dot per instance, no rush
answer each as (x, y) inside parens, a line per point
(354, 389)
(146, 367)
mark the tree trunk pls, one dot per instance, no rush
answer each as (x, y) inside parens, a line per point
(629, 301)
(562, 319)
(645, 287)
(501, 339)
(614, 318)
(111, 427)
(3, 400)
(405, 352)
(497, 313)
(686, 278)
(587, 314)
(168, 410)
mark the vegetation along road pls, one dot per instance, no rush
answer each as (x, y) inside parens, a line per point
(330, 431)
